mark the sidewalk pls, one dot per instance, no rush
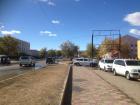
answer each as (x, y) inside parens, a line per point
(90, 89)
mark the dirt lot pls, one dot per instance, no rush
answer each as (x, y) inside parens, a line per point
(42, 87)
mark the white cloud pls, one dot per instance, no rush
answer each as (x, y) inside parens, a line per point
(49, 2)
(52, 35)
(45, 32)
(43, 0)
(134, 31)
(48, 33)
(55, 21)
(12, 32)
(133, 18)
(77, 0)
(1, 27)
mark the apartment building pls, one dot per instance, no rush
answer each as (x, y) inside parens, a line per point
(34, 53)
(132, 43)
(23, 47)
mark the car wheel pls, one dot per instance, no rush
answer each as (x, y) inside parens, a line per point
(91, 65)
(128, 76)
(114, 72)
(77, 64)
(105, 69)
(30, 65)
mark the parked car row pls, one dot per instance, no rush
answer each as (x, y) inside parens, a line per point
(130, 68)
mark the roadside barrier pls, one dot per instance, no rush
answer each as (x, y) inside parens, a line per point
(66, 96)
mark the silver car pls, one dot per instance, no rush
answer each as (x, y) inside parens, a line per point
(27, 61)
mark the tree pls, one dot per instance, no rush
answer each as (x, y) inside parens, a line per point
(89, 50)
(105, 47)
(69, 49)
(51, 53)
(8, 45)
(43, 52)
(110, 46)
(58, 53)
(125, 51)
(83, 54)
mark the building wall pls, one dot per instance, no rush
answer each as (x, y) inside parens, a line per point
(23, 47)
(132, 43)
(34, 53)
(138, 49)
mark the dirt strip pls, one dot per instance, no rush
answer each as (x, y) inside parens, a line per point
(42, 87)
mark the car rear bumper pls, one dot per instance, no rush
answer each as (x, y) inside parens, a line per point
(25, 63)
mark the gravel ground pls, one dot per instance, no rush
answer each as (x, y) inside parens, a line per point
(42, 87)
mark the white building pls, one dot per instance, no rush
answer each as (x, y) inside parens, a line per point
(23, 46)
(132, 43)
(34, 53)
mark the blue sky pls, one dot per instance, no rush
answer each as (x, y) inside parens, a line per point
(48, 23)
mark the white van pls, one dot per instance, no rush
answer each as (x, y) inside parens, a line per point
(130, 68)
(27, 60)
(85, 62)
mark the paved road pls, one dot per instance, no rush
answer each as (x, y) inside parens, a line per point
(14, 70)
(129, 87)
(91, 89)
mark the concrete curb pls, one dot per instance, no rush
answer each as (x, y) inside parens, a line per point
(63, 92)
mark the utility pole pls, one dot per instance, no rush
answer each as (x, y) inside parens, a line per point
(92, 46)
(119, 44)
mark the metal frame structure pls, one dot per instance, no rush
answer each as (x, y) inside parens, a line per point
(107, 33)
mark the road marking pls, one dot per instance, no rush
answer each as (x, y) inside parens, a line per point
(19, 75)
(13, 77)
(62, 63)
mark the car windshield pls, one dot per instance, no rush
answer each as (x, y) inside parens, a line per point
(108, 61)
(133, 63)
(85, 59)
(25, 57)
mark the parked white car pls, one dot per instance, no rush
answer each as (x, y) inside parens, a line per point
(130, 68)
(85, 62)
(106, 64)
(27, 60)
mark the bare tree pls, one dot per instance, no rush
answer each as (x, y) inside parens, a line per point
(69, 49)
(43, 52)
(89, 50)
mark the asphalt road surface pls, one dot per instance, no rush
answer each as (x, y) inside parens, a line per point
(10, 71)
